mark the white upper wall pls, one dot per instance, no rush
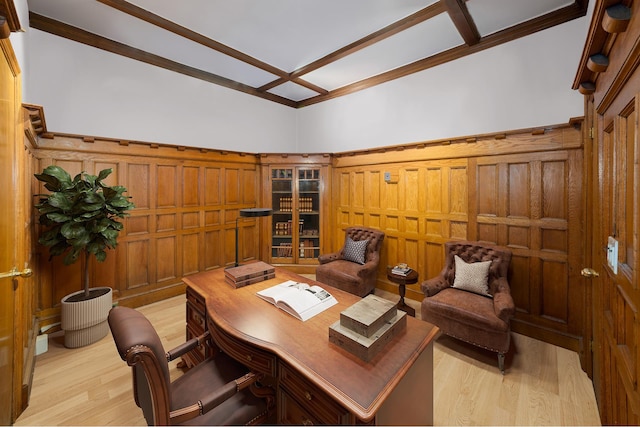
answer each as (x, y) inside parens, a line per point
(522, 84)
(87, 91)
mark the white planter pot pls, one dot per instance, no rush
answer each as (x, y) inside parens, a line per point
(85, 322)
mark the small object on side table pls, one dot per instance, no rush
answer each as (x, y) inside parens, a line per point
(402, 280)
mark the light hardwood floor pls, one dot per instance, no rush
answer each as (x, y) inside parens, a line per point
(543, 385)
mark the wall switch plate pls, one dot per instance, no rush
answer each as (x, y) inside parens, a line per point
(612, 254)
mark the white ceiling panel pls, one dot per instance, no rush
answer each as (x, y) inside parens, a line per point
(492, 16)
(293, 91)
(420, 41)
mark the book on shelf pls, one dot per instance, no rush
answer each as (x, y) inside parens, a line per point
(301, 300)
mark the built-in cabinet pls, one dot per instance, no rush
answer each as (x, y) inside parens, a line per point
(297, 195)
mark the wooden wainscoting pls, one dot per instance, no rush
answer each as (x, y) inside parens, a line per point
(187, 202)
(522, 190)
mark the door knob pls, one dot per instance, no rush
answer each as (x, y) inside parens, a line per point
(15, 273)
(589, 272)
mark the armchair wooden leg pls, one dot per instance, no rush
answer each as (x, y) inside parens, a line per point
(501, 362)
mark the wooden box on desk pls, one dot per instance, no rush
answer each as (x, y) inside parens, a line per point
(381, 326)
(248, 274)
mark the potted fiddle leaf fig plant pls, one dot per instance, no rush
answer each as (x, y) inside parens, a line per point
(80, 218)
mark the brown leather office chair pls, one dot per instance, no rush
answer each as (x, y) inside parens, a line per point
(354, 268)
(482, 320)
(214, 392)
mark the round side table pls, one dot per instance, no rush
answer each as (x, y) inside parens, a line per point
(402, 281)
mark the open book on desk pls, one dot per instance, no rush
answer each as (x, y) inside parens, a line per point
(300, 300)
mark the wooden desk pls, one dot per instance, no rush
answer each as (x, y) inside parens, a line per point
(317, 382)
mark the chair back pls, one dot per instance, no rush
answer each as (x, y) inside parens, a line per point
(472, 251)
(139, 345)
(374, 236)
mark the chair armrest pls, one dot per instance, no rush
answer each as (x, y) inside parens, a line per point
(187, 346)
(503, 304)
(213, 399)
(432, 286)
(325, 258)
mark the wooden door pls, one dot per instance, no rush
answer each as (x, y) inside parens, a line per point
(10, 250)
(616, 294)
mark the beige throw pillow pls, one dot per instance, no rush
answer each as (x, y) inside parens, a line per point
(473, 277)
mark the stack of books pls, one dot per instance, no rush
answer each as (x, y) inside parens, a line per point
(367, 326)
(248, 274)
(401, 270)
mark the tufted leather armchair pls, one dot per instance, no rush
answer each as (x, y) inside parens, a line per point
(214, 392)
(476, 319)
(349, 276)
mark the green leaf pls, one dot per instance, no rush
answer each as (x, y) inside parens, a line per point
(60, 200)
(58, 217)
(104, 173)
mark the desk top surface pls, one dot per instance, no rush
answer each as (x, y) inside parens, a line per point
(360, 386)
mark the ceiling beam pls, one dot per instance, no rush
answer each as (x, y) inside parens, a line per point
(463, 21)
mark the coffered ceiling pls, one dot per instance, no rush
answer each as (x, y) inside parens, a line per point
(298, 52)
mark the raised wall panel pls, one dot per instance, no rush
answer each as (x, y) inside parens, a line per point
(138, 264)
(458, 230)
(458, 190)
(392, 223)
(190, 186)
(372, 189)
(518, 237)
(488, 233)
(213, 186)
(249, 190)
(232, 186)
(166, 186)
(434, 227)
(166, 256)
(520, 283)
(554, 297)
(344, 180)
(357, 190)
(190, 253)
(518, 190)
(190, 220)
(411, 183)
(554, 240)
(138, 185)
(211, 218)
(213, 249)
(411, 225)
(434, 190)
(166, 222)
(374, 221)
(554, 196)
(487, 190)
(137, 225)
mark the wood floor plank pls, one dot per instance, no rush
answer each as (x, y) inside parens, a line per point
(543, 385)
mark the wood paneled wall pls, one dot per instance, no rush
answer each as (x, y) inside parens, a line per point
(187, 202)
(522, 190)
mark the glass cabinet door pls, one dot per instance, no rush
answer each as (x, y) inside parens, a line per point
(295, 231)
(282, 204)
(309, 213)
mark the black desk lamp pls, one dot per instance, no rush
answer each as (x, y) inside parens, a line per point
(246, 213)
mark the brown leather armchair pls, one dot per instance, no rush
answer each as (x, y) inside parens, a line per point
(213, 392)
(471, 317)
(339, 269)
